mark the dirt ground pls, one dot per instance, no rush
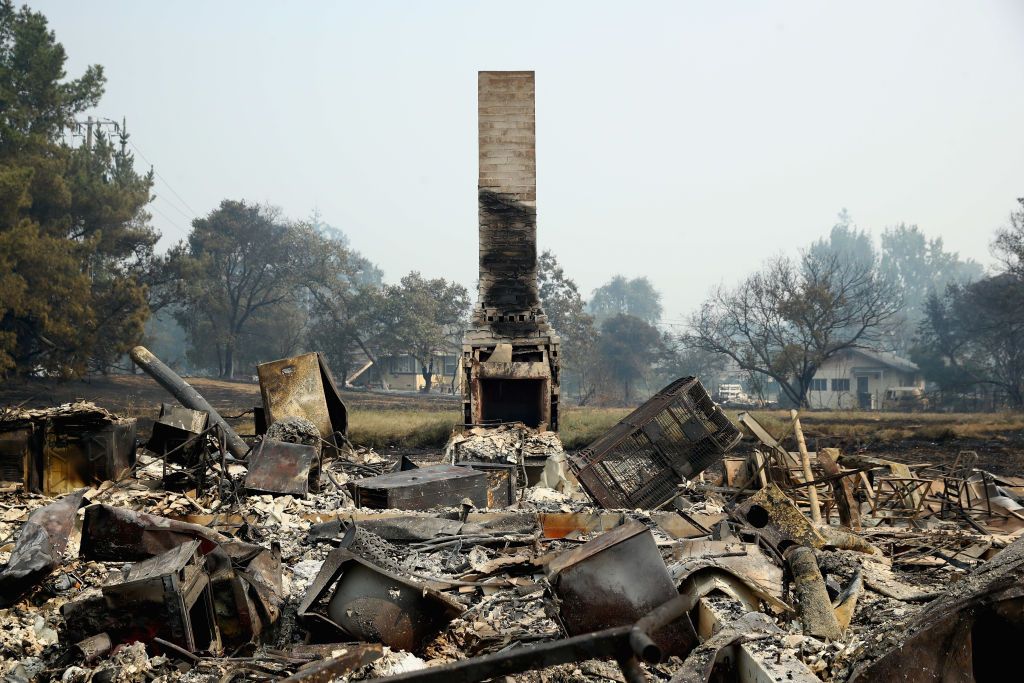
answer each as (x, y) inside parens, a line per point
(137, 394)
(384, 420)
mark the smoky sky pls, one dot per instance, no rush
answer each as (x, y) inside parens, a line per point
(684, 141)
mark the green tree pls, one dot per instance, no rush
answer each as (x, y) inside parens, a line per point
(636, 297)
(847, 242)
(75, 243)
(346, 299)
(240, 262)
(627, 348)
(920, 267)
(683, 360)
(423, 318)
(358, 269)
(974, 336)
(1009, 243)
(567, 313)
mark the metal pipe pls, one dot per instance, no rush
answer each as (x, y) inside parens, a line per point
(187, 396)
(610, 643)
(675, 609)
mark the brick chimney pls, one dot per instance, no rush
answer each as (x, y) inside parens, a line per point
(510, 353)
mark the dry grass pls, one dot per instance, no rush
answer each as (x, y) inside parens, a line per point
(580, 426)
(858, 425)
(418, 421)
(401, 428)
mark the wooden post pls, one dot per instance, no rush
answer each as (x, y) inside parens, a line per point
(805, 462)
(846, 502)
(761, 465)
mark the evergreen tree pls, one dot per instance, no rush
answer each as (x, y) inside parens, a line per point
(75, 242)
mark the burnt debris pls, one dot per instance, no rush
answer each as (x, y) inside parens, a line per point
(296, 555)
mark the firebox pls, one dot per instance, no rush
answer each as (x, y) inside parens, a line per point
(510, 352)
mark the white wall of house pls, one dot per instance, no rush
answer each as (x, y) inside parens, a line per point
(841, 379)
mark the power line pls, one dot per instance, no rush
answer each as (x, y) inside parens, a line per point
(175, 207)
(164, 180)
(167, 218)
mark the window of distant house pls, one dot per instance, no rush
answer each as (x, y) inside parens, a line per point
(841, 384)
(451, 364)
(403, 364)
(819, 384)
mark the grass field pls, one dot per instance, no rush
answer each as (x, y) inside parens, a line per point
(857, 425)
(425, 422)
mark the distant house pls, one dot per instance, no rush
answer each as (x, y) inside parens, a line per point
(402, 373)
(861, 379)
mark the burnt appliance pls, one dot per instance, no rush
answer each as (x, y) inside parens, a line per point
(61, 449)
(509, 351)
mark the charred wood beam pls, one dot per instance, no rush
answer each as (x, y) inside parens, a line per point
(842, 488)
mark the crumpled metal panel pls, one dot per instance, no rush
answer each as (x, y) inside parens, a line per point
(374, 605)
(302, 386)
(115, 534)
(282, 468)
(167, 596)
(175, 427)
(40, 545)
(598, 587)
(248, 589)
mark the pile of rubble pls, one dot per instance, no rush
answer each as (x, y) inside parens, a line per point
(647, 556)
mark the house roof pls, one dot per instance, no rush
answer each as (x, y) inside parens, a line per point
(890, 359)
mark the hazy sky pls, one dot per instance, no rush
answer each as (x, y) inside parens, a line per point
(682, 141)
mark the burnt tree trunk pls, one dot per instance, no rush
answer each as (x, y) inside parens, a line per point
(427, 370)
(229, 361)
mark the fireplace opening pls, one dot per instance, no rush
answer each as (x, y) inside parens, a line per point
(513, 400)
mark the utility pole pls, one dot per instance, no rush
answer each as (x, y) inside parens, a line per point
(90, 123)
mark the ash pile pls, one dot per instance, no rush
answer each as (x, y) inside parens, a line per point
(676, 547)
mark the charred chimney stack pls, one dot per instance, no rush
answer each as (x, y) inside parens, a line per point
(510, 353)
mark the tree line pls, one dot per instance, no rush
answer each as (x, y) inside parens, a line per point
(81, 281)
(909, 295)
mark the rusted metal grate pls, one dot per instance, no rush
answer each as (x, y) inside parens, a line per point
(639, 462)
